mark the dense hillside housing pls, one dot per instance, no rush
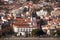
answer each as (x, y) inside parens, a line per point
(25, 15)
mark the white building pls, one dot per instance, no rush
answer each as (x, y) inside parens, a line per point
(55, 12)
(41, 12)
(21, 26)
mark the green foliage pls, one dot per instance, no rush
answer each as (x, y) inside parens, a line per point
(37, 32)
(7, 29)
(58, 32)
(34, 32)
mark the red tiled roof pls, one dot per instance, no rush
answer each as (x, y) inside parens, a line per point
(57, 20)
(21, 22)
(24, 26)
(57, 4)
(5, 18)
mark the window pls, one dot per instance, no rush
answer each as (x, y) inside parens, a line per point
(19, 29)
(30, 29)
(23, 29)
(0, 27)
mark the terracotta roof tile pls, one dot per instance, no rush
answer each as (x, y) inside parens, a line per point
(20, 22)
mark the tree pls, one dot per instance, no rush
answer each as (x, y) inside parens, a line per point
(57, 33)
(34, 14)
(7, 29)
(37, 32)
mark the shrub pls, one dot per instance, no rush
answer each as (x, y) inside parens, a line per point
(57, 32)
(37, 32)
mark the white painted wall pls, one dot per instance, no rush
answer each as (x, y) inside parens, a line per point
(22, 30)
(15, 29)
(6, 0)
(41, 12)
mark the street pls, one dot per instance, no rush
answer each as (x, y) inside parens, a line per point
(18, 38)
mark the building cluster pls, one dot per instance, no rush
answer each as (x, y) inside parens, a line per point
(25, 15)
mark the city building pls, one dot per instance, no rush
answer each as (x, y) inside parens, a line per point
(23, 25)
(25, 15)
